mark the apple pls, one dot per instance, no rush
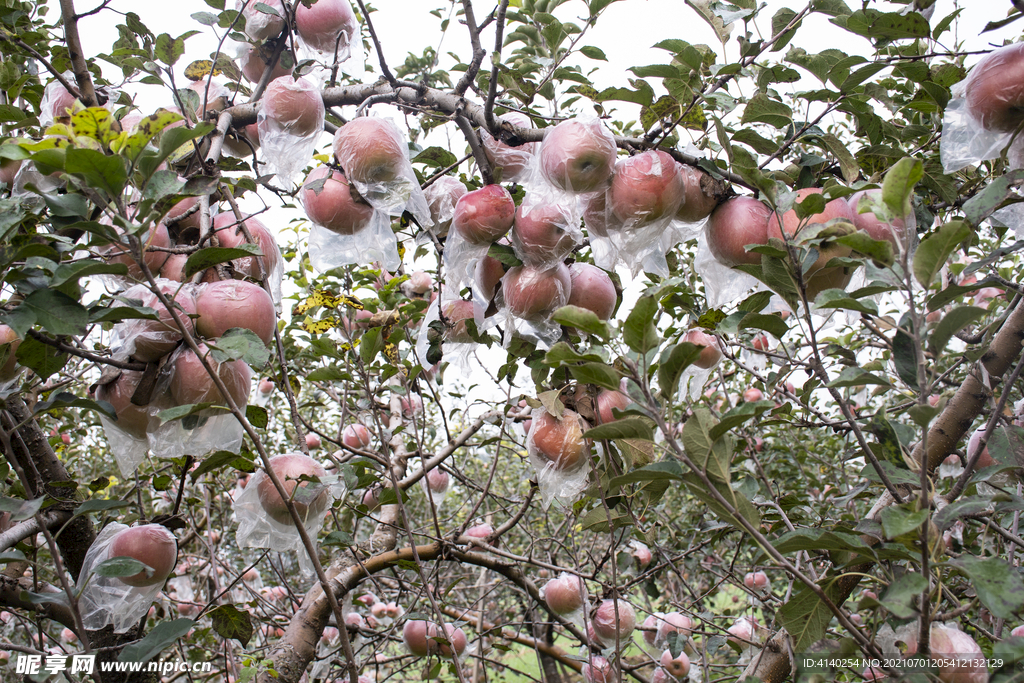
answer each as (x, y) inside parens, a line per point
(697, 204)
(995, 89)
(355, 436)
(482, 216)
(266, 386)
(756, 581)
(313, 442)
(894, 232)
(230, 234)
(156, 338)
(392, 610)
(678, 666)
(818, 277)
(606, 401)
(614, 618)
(986, 293)
(224, 305)
(1018, 632)
(174, 267)
(379, 610)
(873, 674)
(437, 481)
(489, 272)
(741, 633)
(481, 531)
(710, 354)
(542, 233)
(442, 195)
(962, 657)
(456, 640)
(310, 499)
(8, 171)
(984, 460)
(761, 343)
(132, 419)
(293, 106)
(533, 293)
(255, 59)
(752, 395)
(592, 289)
(513, 161)
(661, 676)
(645, 188)
(370, 149)
(10, 342)
(411, 405)
(118, 252)
(259, 24)
(191, 383)
(420, 282)
(674, 622)
(578, 156)
(326, 25)
(641, 553)
(566, 594)
(334, 204)
(151, 544)
(456, 313)
(189, 223)
(560, 442)
(596, 216)
(650, 628)
(598, 670)
(216, 97)
(414, 635)
(58, 103)
(733, 225)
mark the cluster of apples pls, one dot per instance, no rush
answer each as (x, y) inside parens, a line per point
(207, 310)
(744, 221)
(424, 638)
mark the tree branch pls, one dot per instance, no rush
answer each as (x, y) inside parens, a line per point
(78, 64)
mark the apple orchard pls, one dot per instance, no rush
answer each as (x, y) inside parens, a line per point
(501, 363)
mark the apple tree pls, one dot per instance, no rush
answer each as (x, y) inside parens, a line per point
(502, 363)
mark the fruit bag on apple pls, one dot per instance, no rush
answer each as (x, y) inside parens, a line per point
(545, 229)
(329, 27)
(578, 156)
(120, 601)
(560, 454)
(232, 233)
(513, 162)
(290, 120)
(264, 520)
(529, 295)
(986, 110)
(442, 195)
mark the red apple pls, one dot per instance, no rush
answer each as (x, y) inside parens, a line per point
(513, 161)
(154, 237)
(818, 277)
(312, 442)
(156, 338)
(592, 289)
(293, 106)
(761, 343)
(310, 499)
(752, 395)
(984, 460)
(334, 204)
(414, 634)
(224, 305)
(678, 666)
(255, 59)
(456, 641)
(697, 205)
(260, 25)
(599, 670)
(326, 25)
(191, 383)
(893, 233)
(606, 401)
(355, 436)
(578, 156)
(489, 272)
(230, 234)
(756, 581)
(189, 223)
(9, 339)
(484, 215)
(660, 676)
(152, 545)
(963, 659)
(733, 225)
(534, 294)
(560, 442)
(995, 89)
(174, 267)
(442, 195)
(132, 419)
(481, 531)
(542, 233)
(614, 618)
(566, 594)
(596, 216)
(456, 313)
(674, 622)
(645, 188)
(711, 354)
(370, 149)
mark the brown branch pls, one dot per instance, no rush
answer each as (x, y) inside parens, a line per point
(384, 69)
(478, 51)
(78, 64)
(492, 87)
(81, 353)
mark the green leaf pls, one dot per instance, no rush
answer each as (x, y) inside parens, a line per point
(222, 459)
(230, 622)
(168, 49)
(505, 254)
(806, 616)
(710, 453)
(437, 157)
(158, 640)
(370, 345)
(211, 256)
(900, 597)
(872, 23)
(905, 354)
(583, 320)
(847, 162)
(772, 324)
(762, 109)
(257, 416)
(838, 298)
(879, 251)
(896, 475)
(599, 374)
(40, 358)
(821, 539)
(898, 186)
(739, 502)
(673, 362)
(935, 249)
(668, 470)
(20, 509)
(240, 343)
(896, 521)
(999, 586)
(639, 332)
(594, 53)
(951, 323)
(853, 376)
(740, 414)
(107, 173)
(180, 412)
(626, 428)
(63, 399)
(973, 505)
(54, 310)
(980, 206)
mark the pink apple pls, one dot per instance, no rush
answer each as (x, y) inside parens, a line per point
(963, 659)
(310, 499)
(645, 188)
(370, 149)
(599, 670)
(456, 640)
(733, 225)
(156, 338)
(818, 277)
(560, 442)
(566, 594)
(293, 106)
(894, 232)
(152, 545)
(260, 25)
(995, 95)
(456, 313)
(542, 233)
(534, 294)
(256, 59)
(513, 161)
(9, 338)
(224, 305)
(482, 216)
(132, 419)
(752, 395)
(414, 635)
(442, 195)
(756, 581)
(711, 353)
(592, 289)
(984, 460)
(191, 383)
(578, 156)
(437, 480)
(355, 436)
(678, 666)
(326, 25)
(266, 386)
(312, 441)
(697, 203)
(420, 282)
(614, 618)
(335, 205)
(489, 272)
(231, 234)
